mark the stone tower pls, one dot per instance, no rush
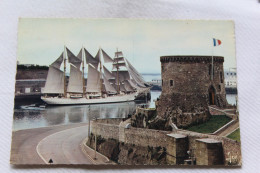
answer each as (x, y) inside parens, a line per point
(189, 87)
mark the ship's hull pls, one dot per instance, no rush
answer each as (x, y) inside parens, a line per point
(84, 101)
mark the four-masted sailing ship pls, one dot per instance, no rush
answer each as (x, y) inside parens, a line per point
(122, 84)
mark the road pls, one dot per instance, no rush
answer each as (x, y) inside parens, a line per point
(64, 147)
(62, 144)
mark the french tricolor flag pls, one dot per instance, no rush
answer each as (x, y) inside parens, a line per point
(216, 42)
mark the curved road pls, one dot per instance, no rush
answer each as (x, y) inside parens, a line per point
(60, 143)
(64, 147)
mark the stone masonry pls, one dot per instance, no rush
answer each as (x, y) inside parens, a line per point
(209, 152)
(177, 149)
(188, 88)
(130, 145)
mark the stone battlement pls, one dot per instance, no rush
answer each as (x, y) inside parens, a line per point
(133, 145)
(190, 58)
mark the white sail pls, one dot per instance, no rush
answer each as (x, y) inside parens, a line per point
(120, 59)
(112, 81)
(93, 82)
(108, 74)
(99, 77)
(133, 83)
(128, 86)
(79, 56)
(90, 59)
(75, 81)
(122, 75)
(73, 59)
(129, 65)
(122, 87)
(58, 62)
(115, 86)
(107, 59)
(54, 82)
(135, 75)
(97, 57)
(126, 71)
(108, 87)
(119, 64)
(136, 79)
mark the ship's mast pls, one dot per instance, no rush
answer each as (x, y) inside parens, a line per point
(64, 57)
(100, 70)
(117, 75)
(83, 79)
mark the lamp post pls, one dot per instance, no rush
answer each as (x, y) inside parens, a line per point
(95, 156)
(88, 121)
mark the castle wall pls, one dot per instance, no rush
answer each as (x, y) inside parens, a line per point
(148, 146)
(231, 148)
(186, 82)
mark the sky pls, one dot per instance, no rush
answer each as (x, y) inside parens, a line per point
(41, 41)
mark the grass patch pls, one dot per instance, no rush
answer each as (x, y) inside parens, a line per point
(212, 125)
(150, 108)
(235, 135)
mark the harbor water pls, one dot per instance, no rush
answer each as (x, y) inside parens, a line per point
(27, 116)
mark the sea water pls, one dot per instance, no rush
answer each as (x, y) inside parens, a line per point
(32, 117)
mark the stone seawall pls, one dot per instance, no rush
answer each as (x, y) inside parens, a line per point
(115, 121)
(231, 148)
(106, 130)
(110, 129)
(129, 145)
(146, 137)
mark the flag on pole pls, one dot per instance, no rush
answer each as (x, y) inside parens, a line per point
(216, 42)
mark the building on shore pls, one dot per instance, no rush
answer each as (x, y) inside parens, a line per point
(29, 86)
(231, 78)
(189, 85)
(30, 81)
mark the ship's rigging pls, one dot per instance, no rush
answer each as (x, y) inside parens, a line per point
(101, 82)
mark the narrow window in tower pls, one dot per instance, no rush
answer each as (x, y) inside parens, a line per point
(171, 82)
(162, 68)
(221, 77)
(219, 87)
(162, 82)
